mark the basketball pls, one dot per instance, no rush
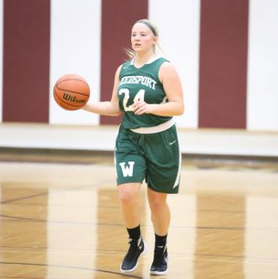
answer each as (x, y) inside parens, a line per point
(71, 92)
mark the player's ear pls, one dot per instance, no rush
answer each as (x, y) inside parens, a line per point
(155, 40)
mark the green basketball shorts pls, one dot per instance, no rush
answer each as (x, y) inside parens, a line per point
(155, 158)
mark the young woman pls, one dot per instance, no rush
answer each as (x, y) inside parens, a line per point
(148, 92)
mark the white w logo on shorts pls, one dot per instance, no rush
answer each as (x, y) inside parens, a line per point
(127, 170)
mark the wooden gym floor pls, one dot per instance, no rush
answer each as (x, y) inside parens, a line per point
(62, 221)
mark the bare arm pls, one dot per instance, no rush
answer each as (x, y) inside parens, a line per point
(173, 89)
(108, 108)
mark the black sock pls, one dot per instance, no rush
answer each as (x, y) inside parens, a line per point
(160, 241)
(134, 233)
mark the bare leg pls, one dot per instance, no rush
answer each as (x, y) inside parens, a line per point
(161, 220)
(160, 212)
(129, 199)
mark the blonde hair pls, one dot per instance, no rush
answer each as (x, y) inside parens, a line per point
(150, 25)
(129, 51)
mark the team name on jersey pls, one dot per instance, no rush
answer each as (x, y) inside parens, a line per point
(147, 81)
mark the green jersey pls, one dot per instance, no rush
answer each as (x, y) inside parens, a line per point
(141, 84)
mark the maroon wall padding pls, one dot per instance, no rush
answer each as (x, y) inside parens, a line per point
(26, 58)
(118, 17)
(223, 63)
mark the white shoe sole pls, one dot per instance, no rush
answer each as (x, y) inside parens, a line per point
(159, 273)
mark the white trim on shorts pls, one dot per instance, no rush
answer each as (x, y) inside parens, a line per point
(177, 182)
(155, 129)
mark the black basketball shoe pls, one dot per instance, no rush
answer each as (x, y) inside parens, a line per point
(136, 249)
(160, 261)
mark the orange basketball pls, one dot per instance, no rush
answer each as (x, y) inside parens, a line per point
(71, 92)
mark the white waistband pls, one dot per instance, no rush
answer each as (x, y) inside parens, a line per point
(155, 129)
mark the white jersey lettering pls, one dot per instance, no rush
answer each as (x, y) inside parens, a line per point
(147, 81)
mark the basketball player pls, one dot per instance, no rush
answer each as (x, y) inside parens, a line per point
(148, 92)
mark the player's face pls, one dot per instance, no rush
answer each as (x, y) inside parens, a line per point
(142, 38)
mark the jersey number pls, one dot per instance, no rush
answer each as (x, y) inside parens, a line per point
(138, 97)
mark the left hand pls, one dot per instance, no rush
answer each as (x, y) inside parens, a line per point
(141, 107)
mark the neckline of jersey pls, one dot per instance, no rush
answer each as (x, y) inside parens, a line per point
(147, 63)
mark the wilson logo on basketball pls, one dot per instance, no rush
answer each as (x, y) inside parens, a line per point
(72, 99)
